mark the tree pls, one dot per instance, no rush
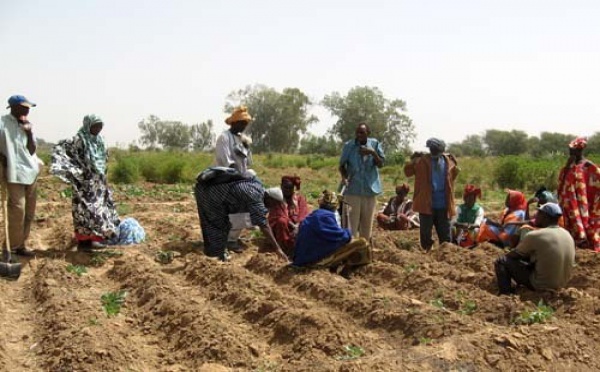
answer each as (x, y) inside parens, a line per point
(550, 143)
(472, 145)
(202, 136)
(325, 145)
(501, 142)
(278, 118)
(166, 134)
(386, 118)
(150, 131)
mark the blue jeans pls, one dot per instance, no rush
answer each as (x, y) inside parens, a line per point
(439, 219)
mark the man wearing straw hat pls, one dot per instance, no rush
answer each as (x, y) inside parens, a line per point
(21, 167)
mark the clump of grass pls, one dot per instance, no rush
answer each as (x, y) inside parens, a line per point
(77, 269)
(540, 314)
(164, 257)
(351, 352)
(112, 302)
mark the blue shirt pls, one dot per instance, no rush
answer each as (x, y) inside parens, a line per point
(438, 183)
(363, 174)
(318, 237)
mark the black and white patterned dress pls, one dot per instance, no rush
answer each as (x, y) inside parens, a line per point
(94, 213)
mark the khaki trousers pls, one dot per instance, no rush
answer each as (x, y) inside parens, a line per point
(21, 210)
(362, 212)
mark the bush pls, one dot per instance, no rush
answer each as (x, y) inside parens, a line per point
(125, 171)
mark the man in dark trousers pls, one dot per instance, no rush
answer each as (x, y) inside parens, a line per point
(433, 196)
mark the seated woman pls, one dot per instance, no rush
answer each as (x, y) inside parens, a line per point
(541, 197)
(285, 217)
(322, 242)
(397, 213)
(468, 218)
(500, 233)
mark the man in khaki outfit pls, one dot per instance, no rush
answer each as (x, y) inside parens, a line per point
(21, 168)
(544, 259)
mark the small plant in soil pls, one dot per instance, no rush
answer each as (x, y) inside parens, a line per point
(351, 352)
(93, 322)
(410, 268)
(438, 302)
(404, 244)
(112, 302)
(425, 341)
(540, 314)
(77, 269)
(165, 257)
(468, 307)
(99, 258)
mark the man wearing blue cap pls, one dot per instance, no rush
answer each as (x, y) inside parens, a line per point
(543, 259)
(21, 167)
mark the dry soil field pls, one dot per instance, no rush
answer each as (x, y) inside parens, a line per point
(407, 311)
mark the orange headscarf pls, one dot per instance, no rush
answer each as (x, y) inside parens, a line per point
(239, 114)
(471, 190)
(516, 200)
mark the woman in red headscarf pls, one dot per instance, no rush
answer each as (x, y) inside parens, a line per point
(397, 213)
(285, 217)
(579, 197)
(468, 218)
(500, 233)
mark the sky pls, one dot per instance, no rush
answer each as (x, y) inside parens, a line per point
(461, 66)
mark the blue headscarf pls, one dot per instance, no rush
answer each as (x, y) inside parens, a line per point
(95, 149)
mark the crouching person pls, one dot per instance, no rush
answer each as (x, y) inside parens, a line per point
(321, 242)
(223, 191)
(543, 259)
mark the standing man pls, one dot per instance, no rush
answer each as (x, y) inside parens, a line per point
(233, 146)
(579, 196)
(544, 258)
(433, 197)
(233, 151)
(359, 167)
(21, 167)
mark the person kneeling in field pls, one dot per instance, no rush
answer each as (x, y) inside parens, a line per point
(321, 242)
(398, 213)
(221, 192)
(468, 218)
(544, 258)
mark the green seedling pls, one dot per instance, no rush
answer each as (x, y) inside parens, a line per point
(112, 302)
(77, 269)
(438, 302)
(541, 313)
(351, 352)
(93, 322)
(425, 341)
(410, 268)
(165, 257)
(99, 258)
(66, 193)
(468, 307)
(256, 234)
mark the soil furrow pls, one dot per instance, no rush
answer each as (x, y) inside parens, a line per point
(74, 332)
(191, 329)
(306, 331)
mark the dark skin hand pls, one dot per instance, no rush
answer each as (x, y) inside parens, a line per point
(361, 137)
(20, 113)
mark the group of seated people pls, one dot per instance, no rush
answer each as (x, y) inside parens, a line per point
(469, 225)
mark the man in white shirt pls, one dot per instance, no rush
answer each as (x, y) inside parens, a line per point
(21, 168)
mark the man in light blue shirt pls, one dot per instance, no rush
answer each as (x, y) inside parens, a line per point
(359, 167)
(21, 167)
